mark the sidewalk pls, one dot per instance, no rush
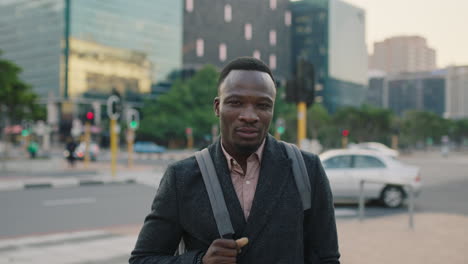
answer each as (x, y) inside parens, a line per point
(55, 172)
(437, 238)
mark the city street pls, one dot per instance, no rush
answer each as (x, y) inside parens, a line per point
(105, 218)
(45, 211)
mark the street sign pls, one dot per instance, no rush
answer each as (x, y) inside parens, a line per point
(188, 131)
(113, 105)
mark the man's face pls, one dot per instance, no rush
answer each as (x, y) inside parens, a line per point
(245, 108)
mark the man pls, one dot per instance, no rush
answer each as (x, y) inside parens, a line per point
(256, 177)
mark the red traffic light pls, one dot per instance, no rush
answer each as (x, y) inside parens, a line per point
(345, 133)
(90, 115)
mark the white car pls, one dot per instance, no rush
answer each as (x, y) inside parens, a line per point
(376, 146)
(384, 176)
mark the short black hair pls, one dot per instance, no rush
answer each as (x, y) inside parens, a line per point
(244, 63)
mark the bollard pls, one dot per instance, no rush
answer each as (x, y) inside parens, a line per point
(361, 200)
(411, 206)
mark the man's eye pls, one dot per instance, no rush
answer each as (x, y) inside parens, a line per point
(234, 103)
(264, 106)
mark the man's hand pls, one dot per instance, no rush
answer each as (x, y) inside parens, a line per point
(224, 251)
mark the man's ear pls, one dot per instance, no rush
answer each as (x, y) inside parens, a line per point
(216, 106)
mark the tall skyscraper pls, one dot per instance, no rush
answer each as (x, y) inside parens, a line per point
(330, 34)
(217, 31)
(457, 92)
(403, 54)
(113, 44)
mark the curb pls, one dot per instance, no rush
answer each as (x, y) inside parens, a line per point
(61, 183)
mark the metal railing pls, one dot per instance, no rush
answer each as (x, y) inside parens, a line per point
(397, 183)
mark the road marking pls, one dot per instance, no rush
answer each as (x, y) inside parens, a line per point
(345, 212)
(73, 201)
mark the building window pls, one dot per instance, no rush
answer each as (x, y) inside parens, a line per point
(200, 47)
(287, 18)
(248, 31)
(227, 13)
(273, 4)
(222, 52)
(273, 61)
(272, 37)
(189, 5)
(256, 54)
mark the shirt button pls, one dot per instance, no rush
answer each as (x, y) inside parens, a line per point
(248, 182)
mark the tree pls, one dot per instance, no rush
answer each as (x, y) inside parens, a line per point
(366, 123)
(419, 126)
(16, 97)
(187, 104)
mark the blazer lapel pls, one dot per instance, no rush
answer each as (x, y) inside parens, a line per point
(274, 172)
(232, 202)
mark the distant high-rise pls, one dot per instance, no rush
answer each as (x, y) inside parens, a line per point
(217, 31)
(330, 34)
(114, 44)
(457, 92)
(403, 54)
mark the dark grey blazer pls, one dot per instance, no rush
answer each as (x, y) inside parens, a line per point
(278, 229)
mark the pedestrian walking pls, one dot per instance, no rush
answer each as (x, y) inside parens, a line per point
(70, 148)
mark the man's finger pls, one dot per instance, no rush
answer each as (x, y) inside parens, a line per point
(241, 242)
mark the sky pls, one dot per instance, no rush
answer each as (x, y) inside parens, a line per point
(444, 24)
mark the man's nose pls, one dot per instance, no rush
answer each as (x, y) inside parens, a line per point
(249, 115)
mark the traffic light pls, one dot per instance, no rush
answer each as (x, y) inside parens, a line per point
(302, 87)
(89, 117)
(280, 126)
(25, 132)
(345, 133)
(133, 118)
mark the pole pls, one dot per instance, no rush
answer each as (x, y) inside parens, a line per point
(277, 135)
(411, 206)
(395, 142)
(361, 200)
(130, 138)
(344, 141)
(189, 141)
(87, 139)
(301, 122)
(67, 47)
(113, 145)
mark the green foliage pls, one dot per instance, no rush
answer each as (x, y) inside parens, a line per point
(418, 126)
(17, 97)
(366, 123)
(187, 104)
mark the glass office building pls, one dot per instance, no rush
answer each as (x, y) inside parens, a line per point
(30, 34)
(130, 43)
(330, 34)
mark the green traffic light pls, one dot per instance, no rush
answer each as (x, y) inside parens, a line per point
(134, 124)
(280, 130)
(25, 133)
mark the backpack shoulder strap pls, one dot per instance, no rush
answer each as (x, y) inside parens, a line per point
(300, 174)
(215, 193)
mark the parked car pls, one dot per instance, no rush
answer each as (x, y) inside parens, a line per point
(148, 147)
(93, 151)
(376, 146)
(345, 169)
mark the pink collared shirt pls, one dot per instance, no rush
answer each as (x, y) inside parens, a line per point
(245, 183)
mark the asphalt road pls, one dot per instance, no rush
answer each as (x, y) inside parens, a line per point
(39, 211)
(42, 211)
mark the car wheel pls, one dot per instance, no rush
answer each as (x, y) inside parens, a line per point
(392, 196)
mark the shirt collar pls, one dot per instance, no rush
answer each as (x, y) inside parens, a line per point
(258, 153)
